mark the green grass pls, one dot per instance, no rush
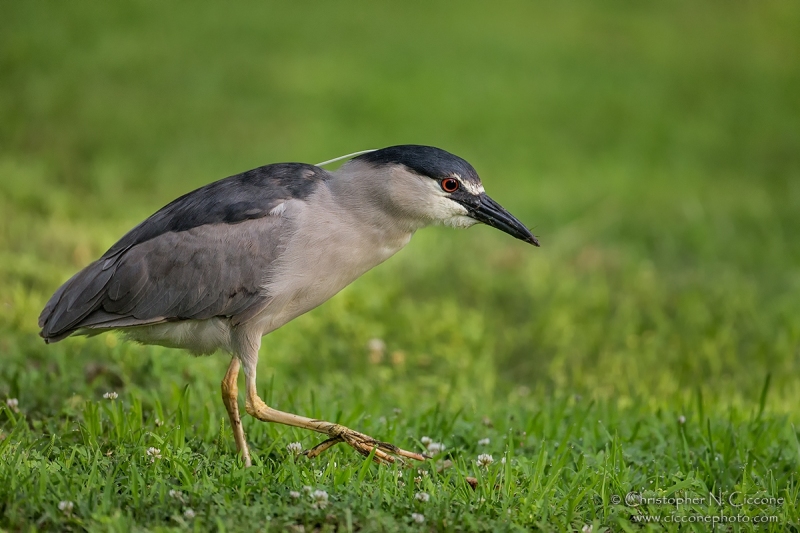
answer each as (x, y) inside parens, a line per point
(650, 345)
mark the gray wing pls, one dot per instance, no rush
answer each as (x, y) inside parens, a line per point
(204, 255)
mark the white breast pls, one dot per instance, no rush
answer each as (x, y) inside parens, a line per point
(328, 249)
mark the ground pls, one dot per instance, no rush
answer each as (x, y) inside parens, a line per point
(648, 350)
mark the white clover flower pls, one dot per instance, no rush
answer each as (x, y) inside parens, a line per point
(320, 499)
(436, 447)
(189, 514)
(110, 396)
(484, 442)
(426, 440)
(66, 506)
(587, 528)
(307, 489)
(295, 448)
(178, 495)
(418, 518)
(376, 345)
(484, 460)
(153, 454)
(294, 494)
(377, 349)
(13, 404)
(423, 497)
(681, 420)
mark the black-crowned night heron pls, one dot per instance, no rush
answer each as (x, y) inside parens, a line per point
(222, 266)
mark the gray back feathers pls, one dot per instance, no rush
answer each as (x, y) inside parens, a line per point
(201, 256)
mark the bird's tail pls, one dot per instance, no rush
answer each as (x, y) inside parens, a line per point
(76, 299)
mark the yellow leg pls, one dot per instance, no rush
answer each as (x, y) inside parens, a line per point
(363, 444)
(230, 393)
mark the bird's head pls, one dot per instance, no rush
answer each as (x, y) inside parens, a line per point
(432, 186)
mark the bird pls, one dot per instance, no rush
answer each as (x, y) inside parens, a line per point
(224, 265)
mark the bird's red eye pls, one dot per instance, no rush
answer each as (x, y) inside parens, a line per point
(450, 185)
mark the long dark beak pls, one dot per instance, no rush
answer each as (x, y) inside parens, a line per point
(490, 212)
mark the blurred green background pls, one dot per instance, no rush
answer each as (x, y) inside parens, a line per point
(655, 149)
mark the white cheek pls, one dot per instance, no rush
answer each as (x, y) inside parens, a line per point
(444, 208)
(450, 213)
(460, 222)
(430, 205)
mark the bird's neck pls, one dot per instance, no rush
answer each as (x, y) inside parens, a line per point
(362, 195)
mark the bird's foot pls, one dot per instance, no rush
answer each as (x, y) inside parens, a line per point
(363, 444)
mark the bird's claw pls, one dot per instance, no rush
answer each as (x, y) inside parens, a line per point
(384, 452)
